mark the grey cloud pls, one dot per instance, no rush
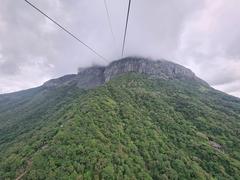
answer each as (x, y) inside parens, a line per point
(232, 87)
(159, 24)
(8, 68)
(210, 45)
(200, 34)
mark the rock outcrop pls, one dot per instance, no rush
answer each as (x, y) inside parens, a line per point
(97, 75)
(158, 69)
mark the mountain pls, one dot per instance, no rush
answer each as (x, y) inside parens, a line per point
(133, 119)
(92, 77)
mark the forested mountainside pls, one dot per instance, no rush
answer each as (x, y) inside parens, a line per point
(136, 120)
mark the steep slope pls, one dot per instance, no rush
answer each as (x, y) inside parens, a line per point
(22, 111)
(92, 77)
(135, 125)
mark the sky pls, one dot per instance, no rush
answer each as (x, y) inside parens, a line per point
(203, 35)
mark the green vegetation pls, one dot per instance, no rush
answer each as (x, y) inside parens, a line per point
(131, 128)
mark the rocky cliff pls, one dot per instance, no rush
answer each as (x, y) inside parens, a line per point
(98, 75)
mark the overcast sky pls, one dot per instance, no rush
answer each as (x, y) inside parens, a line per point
(203, 35)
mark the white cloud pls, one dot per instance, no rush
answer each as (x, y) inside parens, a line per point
(232, 88)
(203, 35)
(32, 74)
(210, 43)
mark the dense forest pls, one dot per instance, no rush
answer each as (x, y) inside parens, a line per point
(133, 127)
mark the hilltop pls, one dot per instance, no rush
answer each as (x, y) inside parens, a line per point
(132, 119)
(98, 75)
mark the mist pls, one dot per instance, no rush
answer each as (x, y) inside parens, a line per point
(202, 35)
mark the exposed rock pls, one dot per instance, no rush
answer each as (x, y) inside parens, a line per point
(215, 145)
(158, 69)
(88, 78)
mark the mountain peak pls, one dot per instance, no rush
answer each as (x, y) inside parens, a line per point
(97, 75)
(133, 127)
(158, 69)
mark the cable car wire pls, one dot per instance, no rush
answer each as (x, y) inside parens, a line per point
(67, 31)
(126, 27)
(109, 22)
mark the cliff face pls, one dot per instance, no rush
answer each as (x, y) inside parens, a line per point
(158, 69)
(98, 75)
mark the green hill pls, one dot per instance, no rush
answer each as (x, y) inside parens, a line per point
(133, 126)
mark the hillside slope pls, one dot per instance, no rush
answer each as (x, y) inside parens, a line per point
(132, 127)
